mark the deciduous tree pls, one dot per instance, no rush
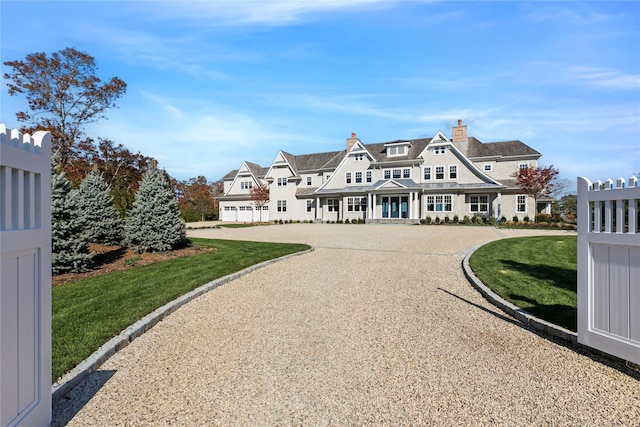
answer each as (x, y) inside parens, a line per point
(196, 199)
(536, 181)
(63, 94)
(260, 196)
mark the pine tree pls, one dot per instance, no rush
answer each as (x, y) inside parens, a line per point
(154, 223)
(95, 204)
(69, 247)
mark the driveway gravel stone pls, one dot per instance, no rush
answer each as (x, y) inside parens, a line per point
(377, 326)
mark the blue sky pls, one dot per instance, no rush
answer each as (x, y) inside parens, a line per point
(214, 83)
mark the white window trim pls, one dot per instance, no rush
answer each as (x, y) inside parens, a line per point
(369, 176)
(518, 203)
(309, 181)
(444, 173)
(348, 177)
(487, 167)
(456, 171)
(479, 203)
(444, 203)
(424, 172)
(355, 177)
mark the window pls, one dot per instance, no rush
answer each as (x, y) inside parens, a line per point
(523, 165)
(308, 180)
(396, 151)
(358, 157)
(358, 177)
(521, 203)
(246, 185)
(397, 173)
(282, 182)
(387, 174)
(309, 205)
(427, 173)
(487, 167)
(453, 171)
(369, 176)
(479, 203)
(439, 150)
(439, 203)
(332, 205)
(282, 205)
(356, 204)
(406, 173)
(348, 175)
(439, 172)
(326, 178)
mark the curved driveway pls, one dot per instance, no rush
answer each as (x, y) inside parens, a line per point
(377, 326)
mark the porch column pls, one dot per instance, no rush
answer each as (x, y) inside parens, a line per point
(317, 207)
(373, 206)
(410, 206)
(499, 206)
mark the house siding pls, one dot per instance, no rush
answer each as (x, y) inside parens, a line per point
(407, 192)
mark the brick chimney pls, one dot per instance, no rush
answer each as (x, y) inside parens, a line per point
(459, 132)
(460, 140)
(351, 141)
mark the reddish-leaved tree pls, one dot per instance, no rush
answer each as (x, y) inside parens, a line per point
(536, 181)
(260, 196)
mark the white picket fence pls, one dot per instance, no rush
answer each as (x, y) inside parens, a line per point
(25, 286)
(609, 266)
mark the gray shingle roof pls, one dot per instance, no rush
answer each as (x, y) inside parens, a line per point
(331, 159)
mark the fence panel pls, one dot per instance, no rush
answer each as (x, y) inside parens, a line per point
(25, 285)
(609, 266)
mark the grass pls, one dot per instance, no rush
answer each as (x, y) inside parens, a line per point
(89, 312)
(537, 274)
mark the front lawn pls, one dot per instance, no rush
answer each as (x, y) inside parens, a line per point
(537, 274)
(89, 312)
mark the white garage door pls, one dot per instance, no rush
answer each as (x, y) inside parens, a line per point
(229, 213)
(245, 213)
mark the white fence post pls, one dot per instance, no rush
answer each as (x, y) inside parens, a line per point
(609, 267)
(25, 285)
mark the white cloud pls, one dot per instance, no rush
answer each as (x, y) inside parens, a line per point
(251, 12)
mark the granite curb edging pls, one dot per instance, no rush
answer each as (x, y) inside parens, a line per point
(60, 388)
(514, 311)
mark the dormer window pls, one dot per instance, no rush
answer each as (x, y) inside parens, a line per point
(439, 150)
(397, 149)
(358, 157)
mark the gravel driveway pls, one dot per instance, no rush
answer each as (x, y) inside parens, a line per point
(377, 326)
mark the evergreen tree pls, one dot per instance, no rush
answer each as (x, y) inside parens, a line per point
(70, 248)
(154, 224)
(102, 221)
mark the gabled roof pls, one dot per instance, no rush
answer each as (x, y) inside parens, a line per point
(331, 159)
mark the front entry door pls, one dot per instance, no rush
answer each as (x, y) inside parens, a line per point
(395, 207)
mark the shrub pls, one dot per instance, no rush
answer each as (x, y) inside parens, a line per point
(339, 221)
(456, 220)
(525, 219)
(423, 221)
(515, 219)
(542, 217)
(492, 220)
(479, 220)
(466, 220)
(428, 219)
(154, 223)
(69, 245)
(346, 221)
(360, 220)
(437, 220)
(102, 223)
(447, 220)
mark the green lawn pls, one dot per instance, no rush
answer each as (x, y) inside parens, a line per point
(89, 312)
(537, 274)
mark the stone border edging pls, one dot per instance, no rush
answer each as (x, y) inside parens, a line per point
(71, 379)
(514, 311)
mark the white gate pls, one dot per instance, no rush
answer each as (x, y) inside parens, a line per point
(25, 286)
(609, 267)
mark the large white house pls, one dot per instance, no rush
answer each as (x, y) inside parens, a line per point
(397, 181)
